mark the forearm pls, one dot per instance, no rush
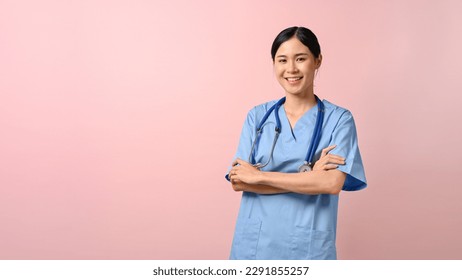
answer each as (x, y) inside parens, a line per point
(258, 188)
(318, 181)
(314, 182)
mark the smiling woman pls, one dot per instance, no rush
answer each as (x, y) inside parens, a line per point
(296, 58)
(289, 204)
(295, 68)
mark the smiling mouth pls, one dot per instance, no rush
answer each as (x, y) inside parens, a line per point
(291, 80)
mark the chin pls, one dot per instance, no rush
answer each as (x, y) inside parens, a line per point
(296, 92)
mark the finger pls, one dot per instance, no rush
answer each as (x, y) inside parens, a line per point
(338, 162)
(329, 166)
(234, 178)
(236, 168)
(327, 150)
(240, 161)
(333, 160)
(326, 164)
(331, 156)
(236, 181)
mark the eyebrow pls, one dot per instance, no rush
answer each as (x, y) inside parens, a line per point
(298, 54)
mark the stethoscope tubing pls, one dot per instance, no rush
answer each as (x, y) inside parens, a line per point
(277, 130)
(316, 137)
(316, 133)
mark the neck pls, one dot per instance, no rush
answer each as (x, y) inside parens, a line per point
(299, 104)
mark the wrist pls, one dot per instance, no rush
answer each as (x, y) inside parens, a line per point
(261, 177)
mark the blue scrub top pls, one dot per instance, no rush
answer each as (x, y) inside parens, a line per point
(292, 225)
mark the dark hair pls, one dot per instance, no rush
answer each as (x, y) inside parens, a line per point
(303, 34)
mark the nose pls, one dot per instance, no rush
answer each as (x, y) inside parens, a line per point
(292, 67)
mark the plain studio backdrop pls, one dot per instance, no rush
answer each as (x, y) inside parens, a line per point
(119, 119)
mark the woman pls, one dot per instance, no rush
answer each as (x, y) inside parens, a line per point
(289, 211)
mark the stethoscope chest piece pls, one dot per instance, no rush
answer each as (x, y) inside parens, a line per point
(258, 166)
(304, 168)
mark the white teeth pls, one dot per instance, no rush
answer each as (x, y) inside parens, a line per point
(293, 79)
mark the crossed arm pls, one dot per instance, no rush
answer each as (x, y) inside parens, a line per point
(323, 179)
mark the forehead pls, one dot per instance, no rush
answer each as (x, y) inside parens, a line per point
(291, 47)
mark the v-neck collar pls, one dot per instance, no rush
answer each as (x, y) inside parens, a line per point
(308, 118)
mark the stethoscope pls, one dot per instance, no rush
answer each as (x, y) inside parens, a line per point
(308, 163)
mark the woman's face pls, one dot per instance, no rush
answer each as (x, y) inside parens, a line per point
(295, 66)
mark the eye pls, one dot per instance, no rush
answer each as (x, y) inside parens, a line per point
(282, 60)
(301, 59)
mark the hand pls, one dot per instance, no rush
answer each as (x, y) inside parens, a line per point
(328, 161)
(238, 186)
(244, 172)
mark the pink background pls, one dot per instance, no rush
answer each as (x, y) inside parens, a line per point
(118, 120)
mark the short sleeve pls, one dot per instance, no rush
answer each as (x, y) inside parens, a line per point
(344, 136)
(245, 140)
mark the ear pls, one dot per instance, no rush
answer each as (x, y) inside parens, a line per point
(319, 61)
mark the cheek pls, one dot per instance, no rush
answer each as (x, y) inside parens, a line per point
(277, 70)
(278, 74)
(310, 70)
